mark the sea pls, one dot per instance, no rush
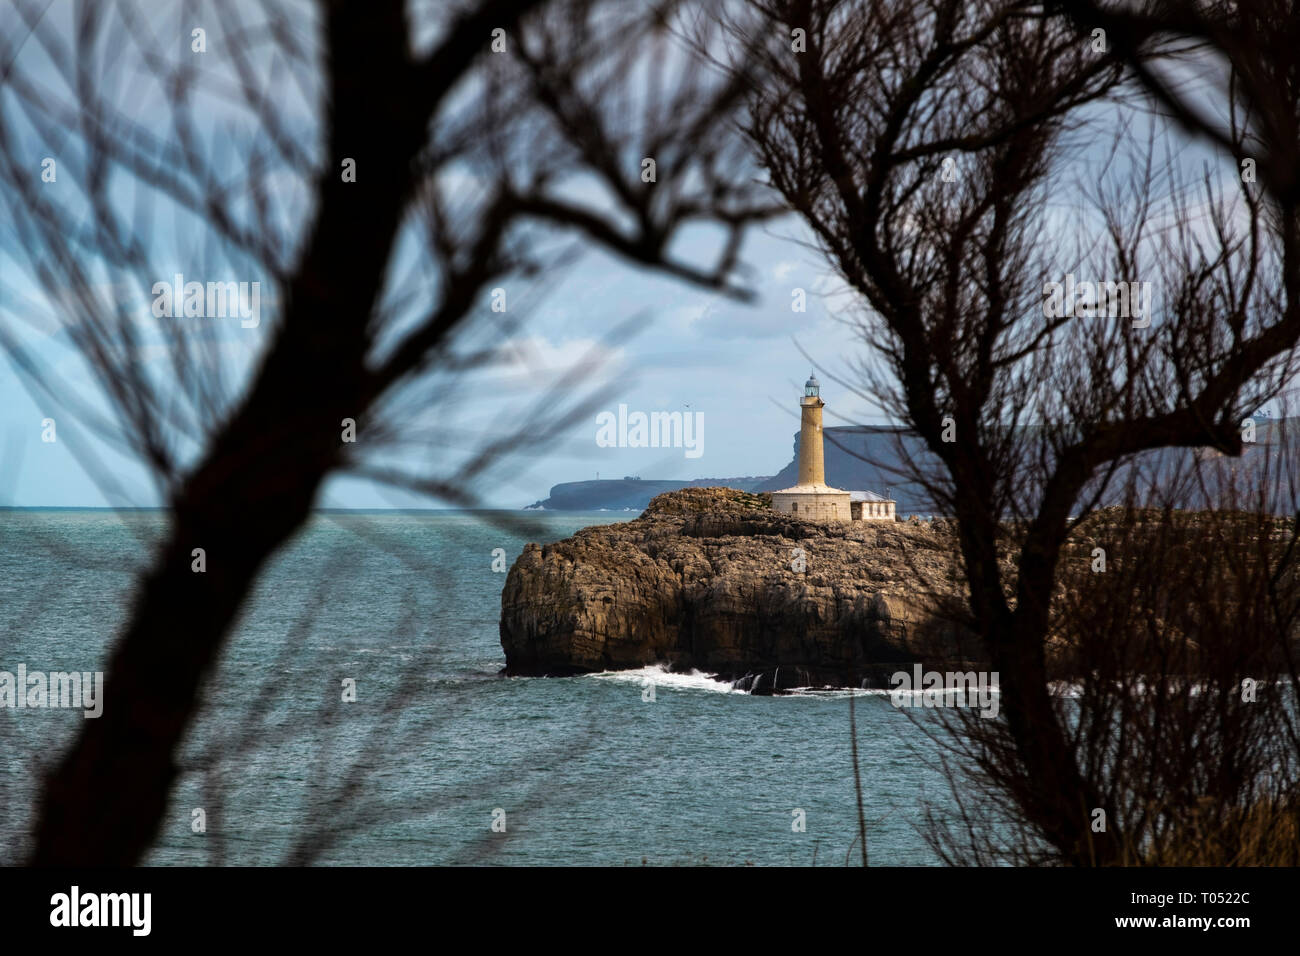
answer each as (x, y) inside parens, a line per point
(358, 717)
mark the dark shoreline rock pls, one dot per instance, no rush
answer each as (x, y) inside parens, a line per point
(709, 579)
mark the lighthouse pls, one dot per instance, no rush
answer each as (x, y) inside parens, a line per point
(812, 497)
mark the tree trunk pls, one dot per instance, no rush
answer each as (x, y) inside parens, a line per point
(257, 481)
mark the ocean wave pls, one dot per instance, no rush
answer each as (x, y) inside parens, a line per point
(833, 693)
(660, 676)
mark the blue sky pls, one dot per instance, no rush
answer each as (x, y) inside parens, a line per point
(739, 364)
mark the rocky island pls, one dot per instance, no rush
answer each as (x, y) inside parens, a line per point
(814, 585)
(713, 579)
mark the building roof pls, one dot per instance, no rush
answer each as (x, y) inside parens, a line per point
(867, 496)
(811, 490)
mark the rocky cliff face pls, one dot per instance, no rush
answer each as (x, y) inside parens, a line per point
(713, 579)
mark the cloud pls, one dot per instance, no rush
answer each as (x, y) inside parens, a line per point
(541, 361)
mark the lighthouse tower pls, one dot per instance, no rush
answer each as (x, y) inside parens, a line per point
(812, 458)
(812, 497)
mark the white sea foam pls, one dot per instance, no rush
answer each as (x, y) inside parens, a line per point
(660, 676)
(835, 692)
(945, 692)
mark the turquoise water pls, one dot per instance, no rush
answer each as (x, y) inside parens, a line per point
(584, 770)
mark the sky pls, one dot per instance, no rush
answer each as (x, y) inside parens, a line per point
(738, 367)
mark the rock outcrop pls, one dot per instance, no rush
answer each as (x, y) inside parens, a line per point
(713, 579)
(628, 494)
